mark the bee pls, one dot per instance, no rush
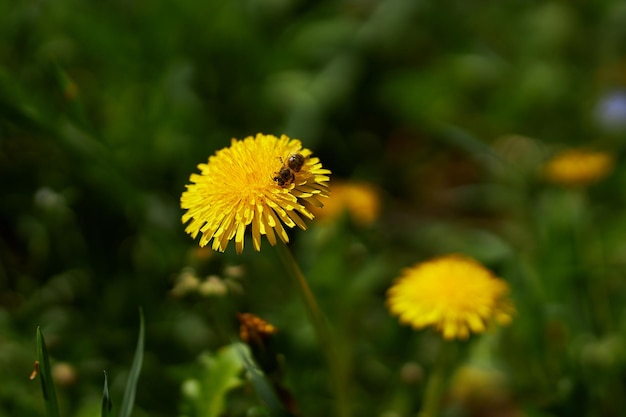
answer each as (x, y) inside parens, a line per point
(285, 176)
(287, 173)
(295, 162)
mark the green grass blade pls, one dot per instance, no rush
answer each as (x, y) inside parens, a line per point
(47, 386)
(467, 142)
(131, 385)
(263, 388)
(71, 93)
(107, 405)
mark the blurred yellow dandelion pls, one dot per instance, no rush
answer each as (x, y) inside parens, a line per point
(478, 387)
(578, 167)
(251, 183)
(359, 199)
(453, 293)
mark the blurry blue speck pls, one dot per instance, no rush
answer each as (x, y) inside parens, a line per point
(611, 110)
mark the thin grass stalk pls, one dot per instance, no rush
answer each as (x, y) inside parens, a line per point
(107, 405)
(128, 401)
(342, 407)
(45, 374)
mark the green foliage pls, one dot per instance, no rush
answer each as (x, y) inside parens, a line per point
(45, 376)
(449, 108)
(128, 401)
(107, 405)
(47, 384)
(264, 390)
(205, 396)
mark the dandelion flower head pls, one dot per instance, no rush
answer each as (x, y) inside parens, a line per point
(578, 167)
(453, 293)
(360, 200)
(238, 187)
(475, 387)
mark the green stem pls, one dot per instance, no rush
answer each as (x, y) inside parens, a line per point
(322, 331)
(591, 265)
(434, 386)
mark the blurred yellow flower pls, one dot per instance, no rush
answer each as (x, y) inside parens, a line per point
(482, 390)
(360, 200)
(472, 382)
(257, 181)
(453, 293)
(578, 167)
(64, 374)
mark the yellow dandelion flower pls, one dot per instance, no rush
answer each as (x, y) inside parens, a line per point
(251, 183)
(578, 167)
(478, 387)
(453, 293)
(360, 199)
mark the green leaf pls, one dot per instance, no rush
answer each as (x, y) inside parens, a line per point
(107, 405)
(47, 386)
(131, 385)
(205, 397)
(263, 388)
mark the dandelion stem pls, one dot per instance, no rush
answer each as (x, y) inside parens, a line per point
(321, 329)
(434, 387)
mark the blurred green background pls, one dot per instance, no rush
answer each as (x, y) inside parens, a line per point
(449, 108)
